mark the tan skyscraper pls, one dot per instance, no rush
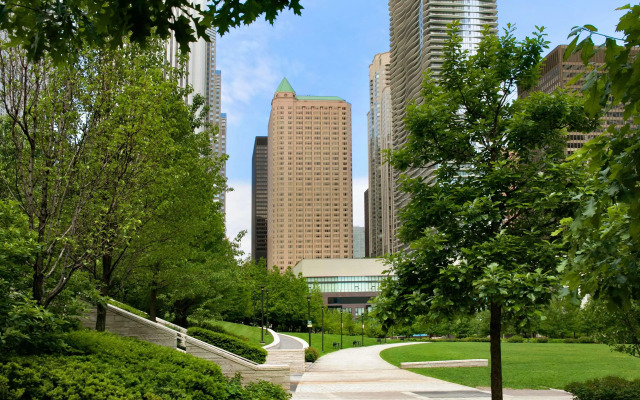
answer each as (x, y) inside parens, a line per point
(310, 210)
(418, 34)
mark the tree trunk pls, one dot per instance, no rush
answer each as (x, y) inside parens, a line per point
(153, 301)
(495, 330)
(101, 312)
(38, 283)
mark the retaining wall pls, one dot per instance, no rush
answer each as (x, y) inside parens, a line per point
(231, 364)
(128, 324)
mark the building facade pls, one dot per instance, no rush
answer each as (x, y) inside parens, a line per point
(259, 195)
(358, 242)
(557, 73)
(380, 198)
(418, 34)
(348, 284)
(201, 74)
(309, 207)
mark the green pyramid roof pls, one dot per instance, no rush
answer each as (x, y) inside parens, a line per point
(285, 86)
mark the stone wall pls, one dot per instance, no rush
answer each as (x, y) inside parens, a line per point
(293, 358)
(231, 364)
(127, 324)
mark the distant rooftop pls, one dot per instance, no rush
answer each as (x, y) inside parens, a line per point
(285, 86)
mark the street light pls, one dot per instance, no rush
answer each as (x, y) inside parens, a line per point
(266, 316)
(262, 326)
(362, 335)
(340, 327)
(322, 327)
(309, 317)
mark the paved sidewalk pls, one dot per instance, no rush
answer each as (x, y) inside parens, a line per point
(360, 373)
(289, 342)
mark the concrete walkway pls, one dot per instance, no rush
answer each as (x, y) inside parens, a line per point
(289, 343)
(360, 373)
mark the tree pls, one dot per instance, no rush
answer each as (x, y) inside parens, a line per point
(604, 232)
(480, 230)
(62, 28)
(52, 118)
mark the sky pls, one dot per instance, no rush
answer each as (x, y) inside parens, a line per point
(326, 52)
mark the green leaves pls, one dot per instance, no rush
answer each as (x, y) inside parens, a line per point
(484, 231)
(61, 28)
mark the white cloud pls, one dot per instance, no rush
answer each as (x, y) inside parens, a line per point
(360, 184)
(249, 72)
(239, 213)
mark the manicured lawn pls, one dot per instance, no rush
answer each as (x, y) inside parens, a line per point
(524, 365)
(347, 341)
(250, 332)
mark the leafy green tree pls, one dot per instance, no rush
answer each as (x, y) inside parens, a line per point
(62, 28)
(480, 230)
(604, 233)
(50, 129)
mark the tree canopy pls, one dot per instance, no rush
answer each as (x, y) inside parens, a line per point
(604, 233)
(62, 28)
(479, 227)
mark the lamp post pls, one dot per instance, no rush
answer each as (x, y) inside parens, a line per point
(262, 322)
(266, 314)
(340, 327)
(309, 317)
(362, 335)
(322, 311)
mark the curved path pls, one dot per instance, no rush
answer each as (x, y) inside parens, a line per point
(289, 343)
(360, 373)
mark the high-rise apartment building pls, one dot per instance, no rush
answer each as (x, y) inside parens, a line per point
(418, 34)
(380, 197)
(259, 196)
(205, 79)
(310, 210)
(556, 74)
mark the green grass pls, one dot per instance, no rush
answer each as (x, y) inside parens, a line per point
(347, 341)
(252, 333)
(524, 365)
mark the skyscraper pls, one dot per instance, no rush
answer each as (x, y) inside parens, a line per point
(358, 242)
(380, 198)
(201, 74)
(418, 34)
(310, 210)
(259, 196)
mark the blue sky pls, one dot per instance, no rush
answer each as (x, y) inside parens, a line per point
(327, 51)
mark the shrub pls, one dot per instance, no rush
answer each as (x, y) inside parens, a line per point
(211, 326)
(570, 340)
(229, 343)
(475, 339)
(556, 340)
(129, 308)
(311, 354)
(609, 388)
(586, 339)
(515, 339)
(100, 365)
(542, 340)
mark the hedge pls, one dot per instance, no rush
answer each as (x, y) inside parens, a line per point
(231, 344)
(101, 366)
(210, 326)
(609, 388)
